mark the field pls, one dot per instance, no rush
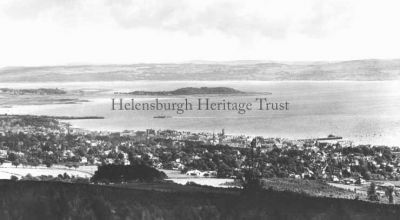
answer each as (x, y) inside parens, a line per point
(177, 177)
(308, 187)
(6, 171)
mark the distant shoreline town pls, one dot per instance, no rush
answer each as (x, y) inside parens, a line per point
(35, 140)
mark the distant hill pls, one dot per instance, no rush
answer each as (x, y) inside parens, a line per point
(190, 91)
(41, 91)
(235, 70)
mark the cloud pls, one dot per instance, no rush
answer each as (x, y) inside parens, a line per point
(326, 17)
(271, 19)
(33, 9)
(37, 32)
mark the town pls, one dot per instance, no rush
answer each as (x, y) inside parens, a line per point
(35, 140)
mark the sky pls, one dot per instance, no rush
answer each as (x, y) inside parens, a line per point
(68, 32)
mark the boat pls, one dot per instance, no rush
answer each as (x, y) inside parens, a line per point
(161, 116)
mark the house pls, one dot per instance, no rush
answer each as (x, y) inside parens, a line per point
(294, 176)
(307, 174)
(110, 161)
(328, 140)
(96, 161)
(3, 154)
(335, 178)
(84, 160)
(384, 186)
(349, 181)
(196, 157)
(209, 174)
(177, 166)
(68, 154)
(361, 181)
(126, 162)
(193, 173)
(6, 164)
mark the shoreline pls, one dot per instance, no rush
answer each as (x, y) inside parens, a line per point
(56, 117)
(252, 135)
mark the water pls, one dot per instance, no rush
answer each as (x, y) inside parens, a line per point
(366, 112)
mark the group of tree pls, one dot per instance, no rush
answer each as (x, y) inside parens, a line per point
(122, 173)
(373, 196)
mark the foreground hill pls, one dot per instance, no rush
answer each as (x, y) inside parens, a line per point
(56, 200)
(347, 70)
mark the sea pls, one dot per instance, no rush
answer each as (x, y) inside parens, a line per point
(365, 112)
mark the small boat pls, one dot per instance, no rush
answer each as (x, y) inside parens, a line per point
(161, 116)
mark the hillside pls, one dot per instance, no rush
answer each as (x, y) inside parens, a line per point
(190, 91)
(55, 200)
(41, 91)
(346, 70)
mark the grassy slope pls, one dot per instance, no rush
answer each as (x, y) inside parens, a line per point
(309, 187)
(52, 200)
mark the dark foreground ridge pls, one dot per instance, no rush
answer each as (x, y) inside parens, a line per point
(56, 200)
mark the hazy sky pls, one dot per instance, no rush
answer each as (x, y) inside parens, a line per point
(53, 32)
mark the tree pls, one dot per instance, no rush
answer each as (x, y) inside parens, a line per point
(76, 165)
(366, 175)
(16, 162)
(121, 173)
(252, 176)
(48, 163)
(389, 193)
(33, 161)
(23, 161)
(146, 160)
(133, 159)
(12, 157)
(28, 177)
(372, 195)
(224, 171)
